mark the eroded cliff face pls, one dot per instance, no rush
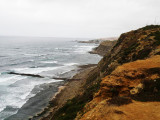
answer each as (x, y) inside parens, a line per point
(131, 46)
(128, 93)
(104, 47)
(130, 86)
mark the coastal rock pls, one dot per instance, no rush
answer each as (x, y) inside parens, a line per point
(137, 89)
(104, 47)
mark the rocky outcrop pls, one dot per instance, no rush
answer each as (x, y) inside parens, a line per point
(131, 78)
(103, 48)
(127, 86)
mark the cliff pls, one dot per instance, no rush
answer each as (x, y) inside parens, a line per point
(98, 41)
(129, 91)
(124, 85)
(104, 47)
(131, 46)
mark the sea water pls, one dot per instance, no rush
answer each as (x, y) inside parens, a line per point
(47, 57)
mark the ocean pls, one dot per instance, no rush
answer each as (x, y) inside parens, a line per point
(46, 57)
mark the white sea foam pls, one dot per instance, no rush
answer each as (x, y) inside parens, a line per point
(4, 79)
(22, 92)
(34, 70)
(29, 54)
(24, 96)
(41, 69)
(49, 62)
(19, 69)
(31, 60)
(17, 96)
(83, 49)
(7, 80)
(70, 64)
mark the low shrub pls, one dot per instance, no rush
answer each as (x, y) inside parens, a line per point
(118, 101)
(156, 37)
(148, 27)
(75, 105)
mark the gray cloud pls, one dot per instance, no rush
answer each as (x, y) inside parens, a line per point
(76, 18)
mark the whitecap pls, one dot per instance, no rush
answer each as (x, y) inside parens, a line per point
(49, 62)
(70, 64)
(84, 49)
(21, 93)
(19, 69)
(29, 54)
(34, 70)
(4, 80)
(31, 60)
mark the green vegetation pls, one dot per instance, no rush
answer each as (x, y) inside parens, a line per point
(148, 27)
(119, 41)
(92, 76)
(127, 51)
(151, 90)
(143, 53)
(130, 49)
(156, 37)
(75, 105)
(158, 84)
(119, 101)
(70, 109)
(114, 91)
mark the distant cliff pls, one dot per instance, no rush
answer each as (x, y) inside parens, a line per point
(98, 41)
(104, 47)
(124, 85)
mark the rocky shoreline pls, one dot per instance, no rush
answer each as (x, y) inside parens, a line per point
(65, 92)
(41, 104)
(73, 86)
(36, 104)
(104, 47)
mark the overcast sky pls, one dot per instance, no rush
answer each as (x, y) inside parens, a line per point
(76, 18)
